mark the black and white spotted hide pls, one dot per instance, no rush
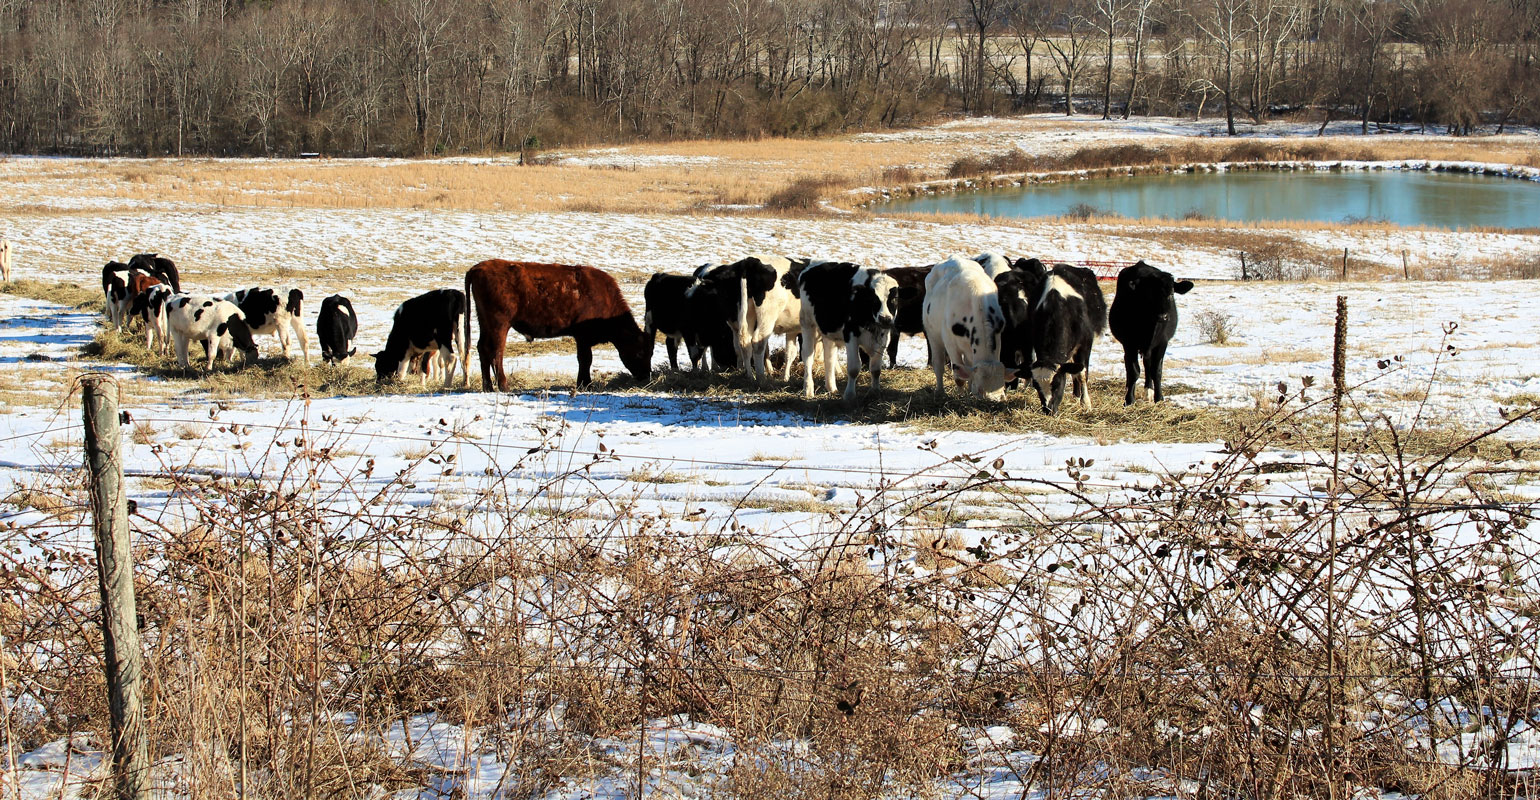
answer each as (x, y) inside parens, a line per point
(274, 312)
(1066, 320)
(849, 303)
(335, 328)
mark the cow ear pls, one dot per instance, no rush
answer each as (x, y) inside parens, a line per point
(961, 372)
(1182, 287)
(352, 352)
(958, 329)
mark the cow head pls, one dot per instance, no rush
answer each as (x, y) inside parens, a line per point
(986, 379)
(874, 299)
(240, 336)
(386, 364)
(636, 353)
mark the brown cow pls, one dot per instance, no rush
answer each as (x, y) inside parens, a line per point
(543, 301)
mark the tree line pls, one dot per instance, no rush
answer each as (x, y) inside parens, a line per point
(418, 77)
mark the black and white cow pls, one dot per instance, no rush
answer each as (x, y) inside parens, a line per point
(910, 318)
(214, 321)
(429, 323)
(757, 297)
(994, 264)
(1143, 318)
(843, 301)
(115, 277)
(274, 312)
(335, 329)
(1066, 320)
(150, 306)
(1019, 288)
(963, 323)
(162, 268)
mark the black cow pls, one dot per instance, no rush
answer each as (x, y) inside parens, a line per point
(685, 319)
(910, 318)
(1065, 322)
(1143, 319)
(162, 268)
(843, 301)
(275, 312)
(430, 323)
(1020, 287)
(336, 328)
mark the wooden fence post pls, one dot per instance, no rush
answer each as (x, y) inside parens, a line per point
(1406, 268)
(124, 658)
(1344, 263)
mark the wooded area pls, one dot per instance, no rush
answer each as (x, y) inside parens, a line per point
(414, 77)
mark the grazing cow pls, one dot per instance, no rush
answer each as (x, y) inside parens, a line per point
(274, 312)
(427, 325)
(162, 268)
(214, 321)
(757, 296)
(1019, 288)
(1068, 316)
(849, 302)
(670, 312)
(115, 277)
(1143, 318)
(150, 305)
(994, 264)
(5, 259)
(963, 323)
(550, 300)
(910, 318)
(336, 328)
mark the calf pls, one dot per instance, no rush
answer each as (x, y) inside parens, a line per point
(549, 300)
(274, 312)
(757, 296)
(150, 306)
(336, 328)
(963, 323)
(910, 317)
(115, 277)
(216, 322)
(1143, 319)
(1065, 322)
(1019, 288)
(849, 302)
(670, 312)
(162, 268)
(427, 325)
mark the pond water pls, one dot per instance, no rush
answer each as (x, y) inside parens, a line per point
(1401, 197)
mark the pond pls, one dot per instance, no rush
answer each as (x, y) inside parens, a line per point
(1400, 197)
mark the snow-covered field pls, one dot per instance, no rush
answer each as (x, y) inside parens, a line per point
(1453, 354)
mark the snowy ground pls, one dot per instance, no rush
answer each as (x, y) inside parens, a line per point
(719, 461)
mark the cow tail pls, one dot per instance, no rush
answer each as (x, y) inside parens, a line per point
(745, 334)
(465, 343)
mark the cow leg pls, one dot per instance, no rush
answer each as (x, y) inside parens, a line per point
(805, 347)
(893, 347)
(876, 366)
(1131, 367)
(853, 367)
(585, 353)
(672, 343)
(299, 335)
(180, 343)
(490, 346)
(1083, 389)
(829, 369)
(1155, 369)
(937, 361)
(211, 346)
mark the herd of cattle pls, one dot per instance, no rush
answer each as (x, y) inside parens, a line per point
(988, 321)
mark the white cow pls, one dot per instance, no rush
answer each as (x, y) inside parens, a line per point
(216, 322)
(276, 312)
(963, 323)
